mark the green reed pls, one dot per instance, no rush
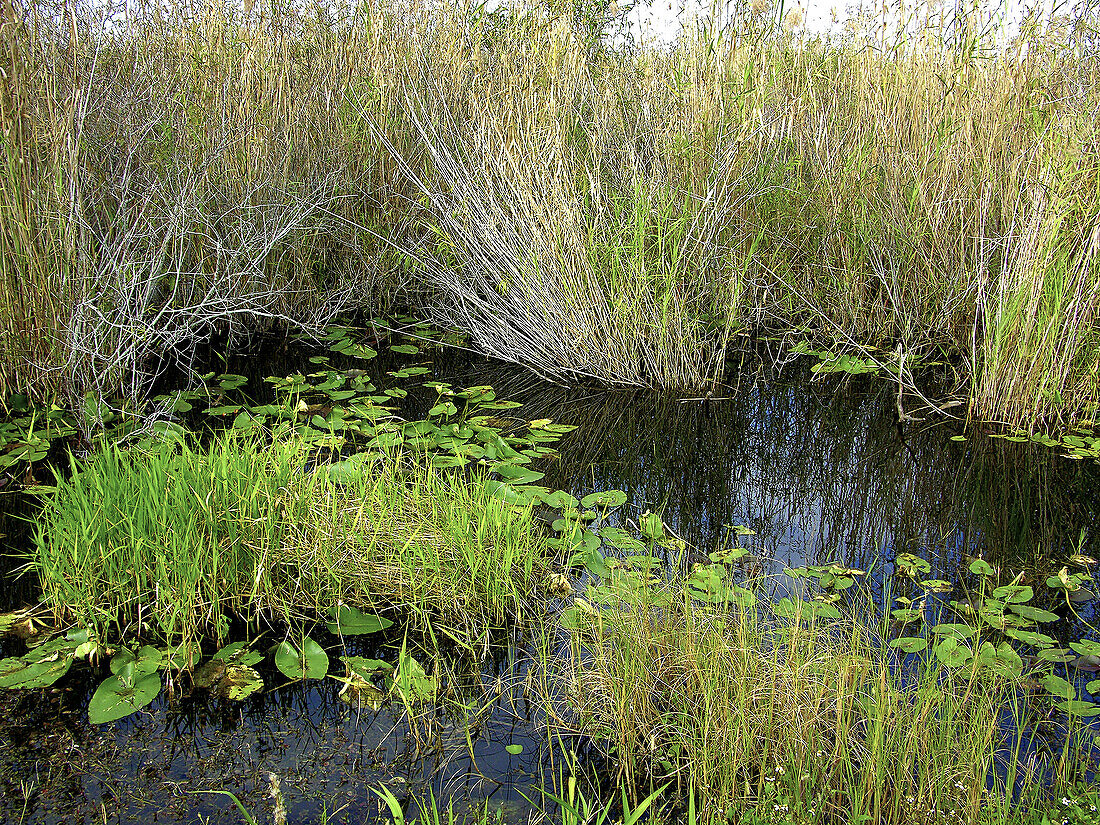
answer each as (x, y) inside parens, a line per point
(178, 541)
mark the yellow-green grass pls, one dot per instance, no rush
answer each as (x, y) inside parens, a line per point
(177, 541)
(758, 717)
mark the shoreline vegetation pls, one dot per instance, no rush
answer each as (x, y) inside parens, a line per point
(622, 214)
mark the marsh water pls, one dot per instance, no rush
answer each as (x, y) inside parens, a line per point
(816, 466)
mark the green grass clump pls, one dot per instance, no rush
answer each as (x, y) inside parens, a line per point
(179, 540)
(763, 718)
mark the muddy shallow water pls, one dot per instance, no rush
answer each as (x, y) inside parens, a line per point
(817, 468)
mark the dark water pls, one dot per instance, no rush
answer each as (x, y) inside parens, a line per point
(819, 469)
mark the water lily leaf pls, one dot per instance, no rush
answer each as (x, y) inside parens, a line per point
(238, 653)
(1075, 707)
(122, 694)
(937, 585)
(910, 644)
(363, 667)
(351, 622)
(1033, 614)
(310, 662)
(728, 555)
(1086, 647)
(959, 631)
(517, 473)
(560, 500)
(905, 615)
(605, 499)
(1030, 637)
(952, 653)
(1055, 654)
(1001, 660)
(411, 682)
(515, 750)
(980, 567)
(1057, 686)
(29, 672)
(444, 408)
(508, 493)
(911, 565)
(405, 349)
(239, 682)
(619, 538)
(1093, 687)
(447, 461)
(1014, 593)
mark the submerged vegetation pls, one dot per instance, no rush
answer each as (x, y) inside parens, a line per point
(919, 188)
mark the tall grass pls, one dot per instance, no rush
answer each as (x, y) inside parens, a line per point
(185, 540)
(582, 210)
(794, 717)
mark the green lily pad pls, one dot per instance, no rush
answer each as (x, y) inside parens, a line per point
(21, 672)
(310, 662)
(363, 667)
(952, 652)
(1014, 593)
(910, 644)
(1057, 686)
(1033, 614)
(405, 349)
(412, 683)
(122, 694)
(515, 750)
(351, 622)
(605, 499)
(981, 567)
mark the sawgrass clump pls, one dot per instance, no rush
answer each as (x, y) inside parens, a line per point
(179, 541)
(922, 186)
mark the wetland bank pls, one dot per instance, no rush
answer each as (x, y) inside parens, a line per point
(783, 510)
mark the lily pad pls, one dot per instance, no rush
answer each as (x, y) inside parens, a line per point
(605, 499)
(351, 622)
(239, 682)
(910, 644)
(412, 683)
(122, 694)
(309, 662)
(1034, 614)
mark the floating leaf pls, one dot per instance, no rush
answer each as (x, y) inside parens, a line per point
(24, 672)
(1014, 593)
(980, 567)
(1075, 707)
(1086, 647)
(411, 682)
(959, 631)
(515, 750)
(1057, 686)
(122, 694)
(1033, 613)
(910, 644)
(311, 662)
(605, 499)
(239, 682)
(405, 349)
(1030, 637)
(351, 622)
(952, 653)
